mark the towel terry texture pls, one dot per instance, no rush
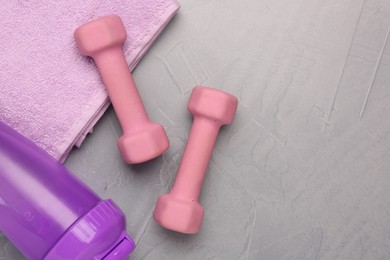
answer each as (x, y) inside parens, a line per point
(49, 92)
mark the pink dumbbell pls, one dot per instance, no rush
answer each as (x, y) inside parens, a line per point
(180, 210)
(102, 39)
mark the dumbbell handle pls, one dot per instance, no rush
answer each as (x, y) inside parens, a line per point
(195, 159)
(121, 88)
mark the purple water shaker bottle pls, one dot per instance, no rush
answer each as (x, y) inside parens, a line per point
(47, 213)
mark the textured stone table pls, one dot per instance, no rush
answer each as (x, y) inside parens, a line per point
(303, 172)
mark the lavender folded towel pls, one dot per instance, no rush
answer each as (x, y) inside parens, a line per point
(48, 91)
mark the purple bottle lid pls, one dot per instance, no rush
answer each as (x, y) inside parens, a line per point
(95, 236)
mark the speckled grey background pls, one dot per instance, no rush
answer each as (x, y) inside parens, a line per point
(303, 172)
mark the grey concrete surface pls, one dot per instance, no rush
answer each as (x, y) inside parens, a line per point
(304, 170)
